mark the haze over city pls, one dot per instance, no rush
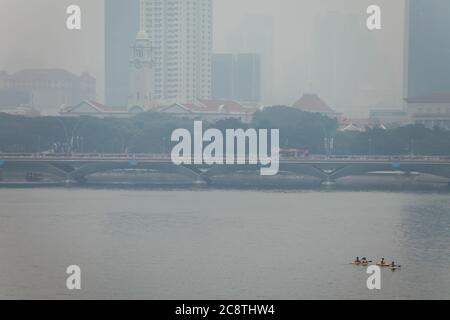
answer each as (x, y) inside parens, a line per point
(295, 39)
(224, 149)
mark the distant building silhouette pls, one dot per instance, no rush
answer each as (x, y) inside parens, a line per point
(256, 34)
(45, 90)
(237, 77)
(121, 27)
(427, 62)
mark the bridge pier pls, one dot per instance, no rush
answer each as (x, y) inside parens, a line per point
(69, 182)
(328, 182)
(80, 180)
(201, 181)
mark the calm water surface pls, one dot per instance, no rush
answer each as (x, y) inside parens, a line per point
(224, 244)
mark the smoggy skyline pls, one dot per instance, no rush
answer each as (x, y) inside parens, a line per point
(296, 39)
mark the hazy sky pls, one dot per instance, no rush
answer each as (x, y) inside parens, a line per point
(292, 35)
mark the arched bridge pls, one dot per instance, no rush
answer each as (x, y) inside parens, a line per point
(76, 167)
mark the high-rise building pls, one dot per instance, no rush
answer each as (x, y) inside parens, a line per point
(180, 33)
(427, 62)
(255, 34)
(121, 27)
(236, 77)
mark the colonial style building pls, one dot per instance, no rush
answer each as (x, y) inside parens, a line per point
(95, 109)
(431, 111)
(46, 89)
(210, 110)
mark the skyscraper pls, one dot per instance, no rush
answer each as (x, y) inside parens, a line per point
(255, 34)
(428, 48)
(180, 33)
(427, 62)
(121, 27)
(236, 77)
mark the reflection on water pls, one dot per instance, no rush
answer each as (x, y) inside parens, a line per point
(189, 244)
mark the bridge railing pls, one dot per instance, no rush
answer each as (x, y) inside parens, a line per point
(158, 156)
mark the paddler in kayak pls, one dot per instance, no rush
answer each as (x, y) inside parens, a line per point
(383, 263)
(364, 261)
(393, 265)
(357, 261)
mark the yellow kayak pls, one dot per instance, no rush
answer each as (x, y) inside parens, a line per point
(395, 268)
(360, 263)
(383, 264)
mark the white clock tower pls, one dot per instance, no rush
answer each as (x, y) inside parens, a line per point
(141, 69)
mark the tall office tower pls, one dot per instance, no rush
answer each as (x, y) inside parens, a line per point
(237, 77)
(180, 33)
(121, 27)
(427, 62)
(428, 49)
(256, 34)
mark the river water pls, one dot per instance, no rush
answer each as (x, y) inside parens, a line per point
(222, 244)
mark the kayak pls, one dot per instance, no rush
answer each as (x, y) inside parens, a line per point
(395, 268)
(360, 263)
(383, 265)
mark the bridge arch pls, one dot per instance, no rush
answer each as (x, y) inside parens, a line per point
(357, 169)
(88, 169)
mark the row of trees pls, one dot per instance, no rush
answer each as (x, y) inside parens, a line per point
(150, 133)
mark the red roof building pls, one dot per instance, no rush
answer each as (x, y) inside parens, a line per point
(313, 103)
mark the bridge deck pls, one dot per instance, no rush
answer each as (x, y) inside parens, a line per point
(166, 158)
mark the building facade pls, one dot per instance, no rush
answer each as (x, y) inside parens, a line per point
(121, 27)
(210, 110)
(237, 77)
(180, 33)
(47, 89)
(427, 62)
